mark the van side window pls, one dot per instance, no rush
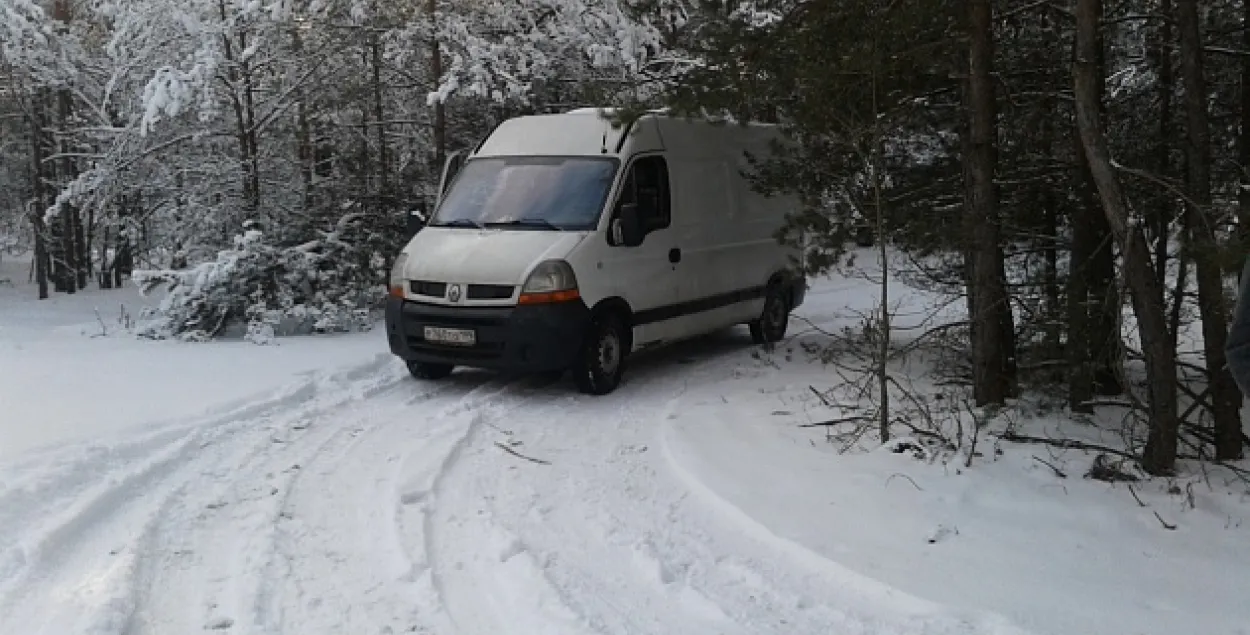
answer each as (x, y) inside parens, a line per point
(647, 185)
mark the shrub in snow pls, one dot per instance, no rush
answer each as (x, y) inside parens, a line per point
(263, 290)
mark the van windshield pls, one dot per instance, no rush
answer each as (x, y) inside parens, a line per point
(535, 193)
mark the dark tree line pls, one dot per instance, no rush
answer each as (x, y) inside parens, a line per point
(1076, 170)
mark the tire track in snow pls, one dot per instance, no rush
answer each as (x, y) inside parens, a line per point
(220, 543)
(46, 502)
(80, 571)
(344, 569)
(515, 545)
(484, 578)
(588, 522)
(303, 555)
(608, 538)
(44, 477)
(40, 485)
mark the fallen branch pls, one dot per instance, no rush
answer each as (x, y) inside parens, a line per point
(1058, 472)
(820, 396)
(913, 483)
(521, 456)
(921, 432)
(1240, 471)
(1113, 403)
(1165, 523)
(1069, 444)
(104, 330)
(836, 422)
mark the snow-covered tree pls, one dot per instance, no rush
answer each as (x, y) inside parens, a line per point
(167, 129)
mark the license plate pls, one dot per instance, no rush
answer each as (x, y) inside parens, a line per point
(454, 337)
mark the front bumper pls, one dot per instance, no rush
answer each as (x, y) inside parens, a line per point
(514, 339)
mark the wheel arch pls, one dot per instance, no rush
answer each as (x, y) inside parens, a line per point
(783, 279)
(617, 305)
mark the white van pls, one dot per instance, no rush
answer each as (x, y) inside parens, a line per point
(561, 243)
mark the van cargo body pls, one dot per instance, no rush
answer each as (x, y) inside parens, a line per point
(562, 243)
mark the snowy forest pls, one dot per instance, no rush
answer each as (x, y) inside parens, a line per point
(1070, 170)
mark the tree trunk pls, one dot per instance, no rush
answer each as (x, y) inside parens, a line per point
(1080, 366)
(1225, 396)
(1104, 320)
(240, 85)
(883, 350)
(991, 347)
(124, 256)
(440, 114)
(70, 228)
(249, 131)
(1105, 343)
(384, 188)
(1243, 139)
(1159, 457)
(37, 224)
(1094, 303)
(46, 170)
(1162, 216)
(106, 264)
(304, 151)
(39, 185)
(1050, 246)
(70, 221)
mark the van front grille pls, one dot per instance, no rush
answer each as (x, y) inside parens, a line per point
(490, 291)
(430, 289)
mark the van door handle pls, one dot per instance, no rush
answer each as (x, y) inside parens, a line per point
(674, 255)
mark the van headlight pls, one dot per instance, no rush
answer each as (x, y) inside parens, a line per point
(550, 282)
(397, 275)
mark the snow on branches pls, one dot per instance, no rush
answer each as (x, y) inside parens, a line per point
(315, 287)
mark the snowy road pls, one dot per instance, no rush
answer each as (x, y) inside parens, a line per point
(365, 502)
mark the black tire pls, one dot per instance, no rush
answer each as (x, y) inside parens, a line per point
(770, 327)
(601, 361)
(429, 372)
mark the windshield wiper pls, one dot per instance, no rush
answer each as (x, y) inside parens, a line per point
(526, 222)
(459, 222)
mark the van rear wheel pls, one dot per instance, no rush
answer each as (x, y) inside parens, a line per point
(770, 327)
(601, 361)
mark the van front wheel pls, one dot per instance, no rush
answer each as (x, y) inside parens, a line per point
(601, 362)
(771, 325)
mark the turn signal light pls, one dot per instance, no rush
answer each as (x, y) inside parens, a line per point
(397, 292)
(549, 298)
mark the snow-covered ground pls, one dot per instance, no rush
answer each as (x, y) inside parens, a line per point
(312, 487)
(68, 371)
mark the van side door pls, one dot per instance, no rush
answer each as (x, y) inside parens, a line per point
(646, 274)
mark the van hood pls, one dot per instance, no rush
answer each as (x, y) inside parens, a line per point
(485, 256)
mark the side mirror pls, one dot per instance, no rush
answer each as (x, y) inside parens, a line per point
(626, 227)
(414, 222)
(451, 167)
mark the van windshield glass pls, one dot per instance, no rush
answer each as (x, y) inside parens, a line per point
(528, 193)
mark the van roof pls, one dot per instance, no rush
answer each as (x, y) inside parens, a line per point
(582, 133)
(579, 132)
